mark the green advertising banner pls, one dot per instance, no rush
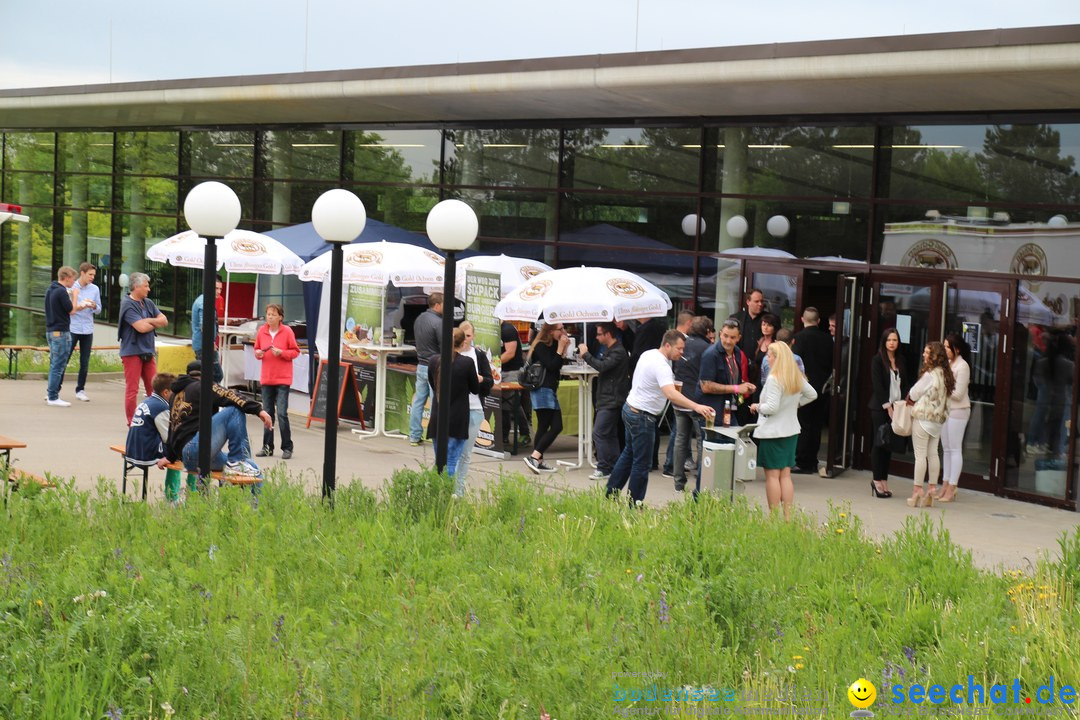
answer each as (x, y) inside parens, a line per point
(363, 316)
(483, 290)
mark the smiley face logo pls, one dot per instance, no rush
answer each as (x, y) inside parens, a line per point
(862, 693)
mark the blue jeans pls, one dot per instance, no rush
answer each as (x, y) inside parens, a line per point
(454, 449)
(416, 414)
(275, 400)
(59, 352)
(461, 471)
(228, 424)
(84, 342)
(605, 438)
(636, 458)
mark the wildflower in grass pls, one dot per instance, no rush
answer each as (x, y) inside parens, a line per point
(473, 620)
(839, 531)
(909, 654)
(843, 515)
(279, 622)
(117, 552)
(184, 689)
(791, 669)
(798, 666)
(521, 525)
(629, 571)
(167, 708)
(40, 603)
(640, 577)
(114, 713)
(664, 615)
(796, 657)
(211, 551)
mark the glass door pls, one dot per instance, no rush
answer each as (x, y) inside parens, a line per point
(914, 305)
(979, 312)
(845, 324)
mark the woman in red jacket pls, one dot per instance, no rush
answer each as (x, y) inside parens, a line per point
(275, 345)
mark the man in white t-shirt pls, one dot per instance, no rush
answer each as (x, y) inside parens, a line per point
(652, 388)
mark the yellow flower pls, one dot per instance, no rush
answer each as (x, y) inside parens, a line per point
(843, 515)
(40, 603)
(796, 657)
(798, 666)
(806, 647)
(628, 571)
(839, 531)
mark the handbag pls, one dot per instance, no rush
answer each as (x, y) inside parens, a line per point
(534, 375)
(901, 418)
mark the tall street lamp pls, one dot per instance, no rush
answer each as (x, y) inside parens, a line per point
(452, 226)
(212, 210)
(339, 218)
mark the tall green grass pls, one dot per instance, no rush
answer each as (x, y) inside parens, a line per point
(409, 603)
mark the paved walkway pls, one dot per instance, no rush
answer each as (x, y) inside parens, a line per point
(74, 442)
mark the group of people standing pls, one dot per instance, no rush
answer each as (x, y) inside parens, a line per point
(941, 409)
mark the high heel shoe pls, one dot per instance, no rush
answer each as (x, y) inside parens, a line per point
(927, 500)
(916, 500)
(874, 492)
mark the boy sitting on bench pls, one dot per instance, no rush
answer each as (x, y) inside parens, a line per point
(227, 425)
(149, 430)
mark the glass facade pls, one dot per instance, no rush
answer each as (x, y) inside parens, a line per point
(983, 197)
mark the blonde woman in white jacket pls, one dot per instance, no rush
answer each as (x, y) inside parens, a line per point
(930, 396)
(777, 433)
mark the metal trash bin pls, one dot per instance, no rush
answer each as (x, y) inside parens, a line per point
(728, 459)
(717, 467)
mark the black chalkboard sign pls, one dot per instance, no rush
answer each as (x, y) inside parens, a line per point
(348, 396)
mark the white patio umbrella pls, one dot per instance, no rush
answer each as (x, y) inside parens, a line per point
(584, 294)
(757, 252)
(512, 270)
(239, 251)
(379, 263)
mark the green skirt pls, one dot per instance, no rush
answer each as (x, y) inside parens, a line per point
(776, 453)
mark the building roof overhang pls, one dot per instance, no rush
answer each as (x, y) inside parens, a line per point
(1025, 69)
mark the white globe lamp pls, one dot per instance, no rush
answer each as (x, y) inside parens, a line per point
(737, 226)
(778, 226)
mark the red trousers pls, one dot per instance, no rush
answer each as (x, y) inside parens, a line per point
(134, 369)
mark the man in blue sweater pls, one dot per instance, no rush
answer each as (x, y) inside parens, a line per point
(427, 334)
(60, 303)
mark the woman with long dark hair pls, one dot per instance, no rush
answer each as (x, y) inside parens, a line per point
(463, 380)
(930, 398)
(547, 348)
(891, 382)
(952, 433)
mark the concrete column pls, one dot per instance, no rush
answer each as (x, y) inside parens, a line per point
(735, 179)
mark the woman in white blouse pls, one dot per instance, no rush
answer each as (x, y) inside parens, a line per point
(778, 427)
(930, 396)
(952, 433)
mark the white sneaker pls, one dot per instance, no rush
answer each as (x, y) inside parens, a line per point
(242, 468)
(598, 475)
(81, 395)
(59, 403)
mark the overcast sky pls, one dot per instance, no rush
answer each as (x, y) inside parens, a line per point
(66, 42)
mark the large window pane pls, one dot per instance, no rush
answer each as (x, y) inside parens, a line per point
(982, 163)
(394, 156)
(1042, 411)
(290, 157)
(978, 237)
(511, 213)
(223, 153)
(804, 229)
(647, 159)
(29, 151)
(401, 206)
(85, 152)
(147, 164)
(629, 222)
(508, 157)
(804, 161)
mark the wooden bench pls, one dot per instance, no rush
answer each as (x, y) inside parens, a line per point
(17, 476)
(221, 477)
(13, 352)
(13, 357)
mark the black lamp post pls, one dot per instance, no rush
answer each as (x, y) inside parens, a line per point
(212, 210)
(339, 218)
(452, 226)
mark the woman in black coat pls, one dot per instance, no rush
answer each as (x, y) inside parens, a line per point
(547, 348)
(463, 380)
(891, 382)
